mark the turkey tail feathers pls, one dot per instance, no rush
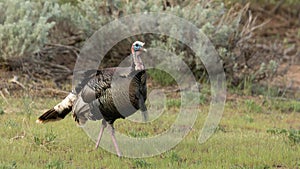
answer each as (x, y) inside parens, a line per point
(53, 115)
(59, 111)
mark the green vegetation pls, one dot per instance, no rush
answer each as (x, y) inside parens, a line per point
(30, 25)
(247, 137)
(1, 111)
(161, 77)
(264, 2)
(26, 25)
(252, 106)
(292, 134)
(286, 106)
(260, 124)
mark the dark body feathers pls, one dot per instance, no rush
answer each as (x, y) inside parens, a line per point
(97, 91)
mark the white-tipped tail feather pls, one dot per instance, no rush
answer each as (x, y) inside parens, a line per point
(59, 111)
(66, 103)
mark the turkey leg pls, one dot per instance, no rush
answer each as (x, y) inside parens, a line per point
(114, 139)
(103, 126)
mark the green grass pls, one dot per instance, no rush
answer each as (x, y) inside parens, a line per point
(244, 138)
(292, 135)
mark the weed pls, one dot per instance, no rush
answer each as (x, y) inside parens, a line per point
(13, 165)
(10, 123)
(173, 103)
(220, 128)
(1, 111)
(141, 163)
(285, 106)
(298, 164)
(138, 134)
(267, 91)
(253, 107)
(28, 104)
(47, 138)
(50, 136)
(292, 134)
(249, 119)
(37, 140)
(175, 158)
(57, 164)
(247, 85)
(203, 98)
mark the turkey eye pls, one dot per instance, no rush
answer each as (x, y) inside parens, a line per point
(137, 45)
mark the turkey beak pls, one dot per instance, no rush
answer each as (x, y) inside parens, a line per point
(143, 49)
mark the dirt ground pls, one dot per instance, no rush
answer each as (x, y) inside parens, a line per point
(291, 79)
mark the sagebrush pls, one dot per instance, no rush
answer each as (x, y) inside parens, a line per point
(27, 25)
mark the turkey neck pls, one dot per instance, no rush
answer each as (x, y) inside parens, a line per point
(137, 63)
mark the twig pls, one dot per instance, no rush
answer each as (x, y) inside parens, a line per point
(17, 137)
(72, 48)
(55, 90)
(15, 80)
(6, 91)
(1, 93)
(286, 88)
(64, 46)
(274, 10)
(57, 66)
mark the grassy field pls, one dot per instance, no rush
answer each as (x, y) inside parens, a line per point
(253, 133)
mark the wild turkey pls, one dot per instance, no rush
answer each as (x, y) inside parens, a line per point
(96, 97)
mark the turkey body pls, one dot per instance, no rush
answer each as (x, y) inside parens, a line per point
(105, 95)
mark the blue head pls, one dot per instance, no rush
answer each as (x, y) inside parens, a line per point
(137, 46)
(137, 49)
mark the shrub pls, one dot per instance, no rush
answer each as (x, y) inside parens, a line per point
(27, 24)
(24, 27)
(86, 15)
